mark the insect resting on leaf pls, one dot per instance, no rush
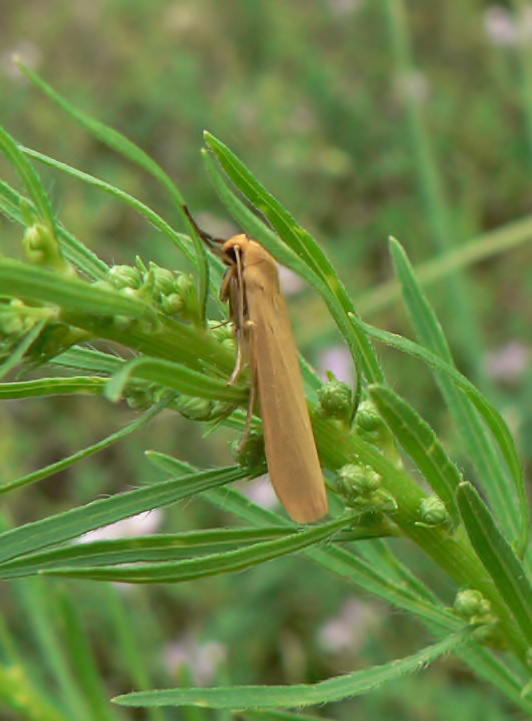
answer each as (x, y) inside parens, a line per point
(265, 342)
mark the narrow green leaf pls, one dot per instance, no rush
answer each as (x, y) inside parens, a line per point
(486, 245)
(53, 387)
(331, 690)
(37, 602)
(130, 641)
(381, 556)
(321, 273)
(88, 359)
(121, 144)
(31, 180)
(10, 203)
(284, 223)
(74, 251)
(86, 452)
(344, 563)
(62, 527)
(84, 665)
(22, 280)
(256, 227)
(169, 464)
(181, 241)
(497, 556)
(175, 376)
(110, 137)
(19, 351)
(154, 548)
(421, 443)
(348, 566)
(514, 515)
(213, 564)
(488, 412)
(265, 715)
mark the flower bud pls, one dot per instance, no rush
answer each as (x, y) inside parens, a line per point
(223, 332)
(139, 398)
(41, 247)
(161, 280)
(250, 454)
(186, 288)
(361, 487)
(472, 605)
(131, 293)
(362, 480)
(336, 400)
(125, 276)
(195, 409)
(433, 512)
(11, 325)
(368, 419)
(172, 304)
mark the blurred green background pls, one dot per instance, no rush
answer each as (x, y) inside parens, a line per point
(366, 119)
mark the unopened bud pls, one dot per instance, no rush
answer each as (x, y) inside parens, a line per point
(125, 276)
(336, 400)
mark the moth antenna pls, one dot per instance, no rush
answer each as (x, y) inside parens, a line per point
(213, 243)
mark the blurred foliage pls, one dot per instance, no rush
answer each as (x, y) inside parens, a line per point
(312, 97)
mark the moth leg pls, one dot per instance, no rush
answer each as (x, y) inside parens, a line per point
(251, 406)
(233, 287)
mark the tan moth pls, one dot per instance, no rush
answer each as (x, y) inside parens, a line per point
(266, 342)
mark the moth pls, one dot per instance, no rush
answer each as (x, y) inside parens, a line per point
(265, 341)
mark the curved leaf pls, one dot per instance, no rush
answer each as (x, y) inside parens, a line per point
(498, 557)
(211, 565)
(333, 689)
(62, 527)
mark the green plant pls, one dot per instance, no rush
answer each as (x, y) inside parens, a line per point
(62, 298)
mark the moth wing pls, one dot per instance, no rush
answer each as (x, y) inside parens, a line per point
(293, 461)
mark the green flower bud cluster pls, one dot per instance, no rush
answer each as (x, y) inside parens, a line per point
(223, 333)
(172, 293)
(371, 428)
(250, 454)
(362, 489)
(41, 247)
(369, 424)
(17, 319)
(141, 397)
(201, 409)
(125, 276)
(336, 400)
(471, 605)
